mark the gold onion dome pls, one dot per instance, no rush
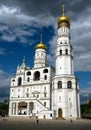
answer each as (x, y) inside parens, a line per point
(63, 18)
(41, 45)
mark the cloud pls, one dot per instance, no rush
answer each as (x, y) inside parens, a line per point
(86, 91)
(80, 39)
(89, 83)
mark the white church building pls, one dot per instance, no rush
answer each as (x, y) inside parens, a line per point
(44, 91)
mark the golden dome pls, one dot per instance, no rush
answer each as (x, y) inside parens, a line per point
(41, 45)
(63, 18)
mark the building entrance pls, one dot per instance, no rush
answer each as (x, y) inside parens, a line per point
(59, 113)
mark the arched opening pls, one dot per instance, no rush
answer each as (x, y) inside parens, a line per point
(59, 113)
(19, 81)
(13, 80)
(36, 75)
(13, 108)
(45, 71)
(69, 84)
(22, 108)
(44, 116)
(31, 107)
(28, 73)
(60, 52)
(66, 51)
(59, 84)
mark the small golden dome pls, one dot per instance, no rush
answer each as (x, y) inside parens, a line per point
(41, 45)
(63, 18)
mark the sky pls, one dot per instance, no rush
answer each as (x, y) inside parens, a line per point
(22, 22)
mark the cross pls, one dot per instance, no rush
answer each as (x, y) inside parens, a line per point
(63, 9)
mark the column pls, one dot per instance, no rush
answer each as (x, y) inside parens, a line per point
(28, 108)
(10, 109)
(79, 113)
(17, 108)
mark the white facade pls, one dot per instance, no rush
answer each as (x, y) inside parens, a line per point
(43, 91)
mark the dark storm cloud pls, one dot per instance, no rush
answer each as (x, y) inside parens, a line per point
(4, 92)
(75, 8)
(36, 7)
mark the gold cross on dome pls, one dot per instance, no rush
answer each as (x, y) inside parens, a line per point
(63, 9)
(41, 38)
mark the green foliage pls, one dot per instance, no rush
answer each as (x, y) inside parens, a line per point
(4, 105)
(86, 108)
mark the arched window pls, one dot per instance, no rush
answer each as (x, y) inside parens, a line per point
(59, 84)
(66, 51)
(45, 71)
(28, 73)
(60, 52)
(13, 80)
(37, 75)
(69, 84)
(19, 81)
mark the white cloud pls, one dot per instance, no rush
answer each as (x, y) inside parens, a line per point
(8, 38)
(81, 41)
(13, 16)
(89, 83)
(85, 91)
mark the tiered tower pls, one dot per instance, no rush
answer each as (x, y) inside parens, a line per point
(64, 53)
(65, 85)
(40, 55)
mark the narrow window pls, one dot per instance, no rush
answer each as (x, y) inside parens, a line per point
(44, 94)
(69, 84)
(37, 96)
(66, 52)
(59, 98)
(44, 103)
(18, 90)
(60, 52)
(59, 84)
(45, 77)
(28, 79)
(19, 81)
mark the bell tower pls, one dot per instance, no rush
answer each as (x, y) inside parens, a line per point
(64, 53)
(65, 94)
